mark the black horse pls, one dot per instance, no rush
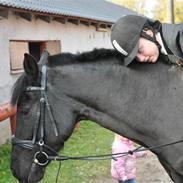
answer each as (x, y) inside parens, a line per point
(143, 102)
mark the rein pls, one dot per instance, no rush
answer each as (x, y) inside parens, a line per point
(112, 156)
(41, 158)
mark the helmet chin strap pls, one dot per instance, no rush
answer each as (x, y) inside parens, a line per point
(151, 38)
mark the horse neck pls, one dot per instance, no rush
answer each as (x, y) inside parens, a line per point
(119, 94)
(97, 86)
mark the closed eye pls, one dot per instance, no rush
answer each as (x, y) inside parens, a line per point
(140, 50)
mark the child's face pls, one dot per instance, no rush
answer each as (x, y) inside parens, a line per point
(148, 51)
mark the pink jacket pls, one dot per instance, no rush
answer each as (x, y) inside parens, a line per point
(124, 167)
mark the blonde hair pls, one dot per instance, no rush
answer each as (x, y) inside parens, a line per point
(119, 137)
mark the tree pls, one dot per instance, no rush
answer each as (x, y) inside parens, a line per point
(154, 9)
(161, 11)
(178, 7)
(136, 5)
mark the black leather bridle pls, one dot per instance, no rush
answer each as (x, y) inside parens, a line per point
(40, 157)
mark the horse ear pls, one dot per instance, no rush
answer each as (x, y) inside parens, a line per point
(31, 67)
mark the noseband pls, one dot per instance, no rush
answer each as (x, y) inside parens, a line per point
(40, 157)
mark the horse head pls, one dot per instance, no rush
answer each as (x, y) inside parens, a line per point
(38, 132)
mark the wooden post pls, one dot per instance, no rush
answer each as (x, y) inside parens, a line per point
(13, 124)
(77, 126)
(171, 11)
(8, 111)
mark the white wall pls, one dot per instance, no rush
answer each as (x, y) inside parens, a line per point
(73, 38)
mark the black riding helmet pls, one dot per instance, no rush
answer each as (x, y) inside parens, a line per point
(126, 33)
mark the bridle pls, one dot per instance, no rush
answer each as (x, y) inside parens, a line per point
(40, 157)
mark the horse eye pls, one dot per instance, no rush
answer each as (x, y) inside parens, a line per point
(24, 104)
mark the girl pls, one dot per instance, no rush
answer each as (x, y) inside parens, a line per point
(123, 168)
(144, 40)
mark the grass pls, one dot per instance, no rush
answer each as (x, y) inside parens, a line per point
(89, 139)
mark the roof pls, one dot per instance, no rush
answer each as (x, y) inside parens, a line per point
(99, 10)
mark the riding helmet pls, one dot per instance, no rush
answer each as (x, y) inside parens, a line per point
(125, 35)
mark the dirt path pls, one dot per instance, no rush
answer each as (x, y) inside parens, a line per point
(149, 170)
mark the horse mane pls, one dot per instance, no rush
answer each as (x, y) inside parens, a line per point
(95, 55)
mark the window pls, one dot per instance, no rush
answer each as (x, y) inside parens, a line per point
(35, 48)
(17, 50)
(53, 47)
